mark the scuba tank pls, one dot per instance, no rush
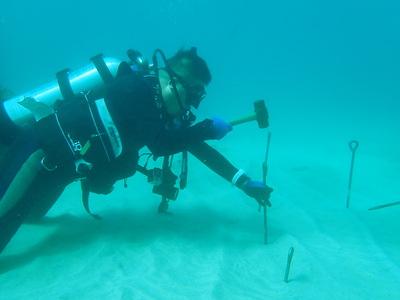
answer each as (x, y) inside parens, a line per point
(25, 109)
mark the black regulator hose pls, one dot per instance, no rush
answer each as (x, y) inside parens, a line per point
(167, 68)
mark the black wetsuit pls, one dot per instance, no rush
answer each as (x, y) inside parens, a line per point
(140, 117)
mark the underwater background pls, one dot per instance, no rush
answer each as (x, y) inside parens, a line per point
(329, 72)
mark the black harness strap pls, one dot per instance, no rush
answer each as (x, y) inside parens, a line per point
(64, 84)
(85, 198)
(102, 68)
(184, 170)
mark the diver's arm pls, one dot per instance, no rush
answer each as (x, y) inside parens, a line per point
(163, 141)
(220, 165)
(214, 160)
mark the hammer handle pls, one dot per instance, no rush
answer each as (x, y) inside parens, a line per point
(242, 120)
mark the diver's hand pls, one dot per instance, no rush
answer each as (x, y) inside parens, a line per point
(258, 191)
(220, 127)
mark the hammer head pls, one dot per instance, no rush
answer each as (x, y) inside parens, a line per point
(261, 114)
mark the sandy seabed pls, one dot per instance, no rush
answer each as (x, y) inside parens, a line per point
(212, 245)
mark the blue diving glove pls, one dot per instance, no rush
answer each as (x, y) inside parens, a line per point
(258, 191)
(220, 127)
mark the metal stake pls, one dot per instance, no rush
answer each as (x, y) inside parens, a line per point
(265, 170)
(289, 262)
(353, 147)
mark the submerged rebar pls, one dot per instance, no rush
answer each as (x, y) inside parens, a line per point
(353, 147)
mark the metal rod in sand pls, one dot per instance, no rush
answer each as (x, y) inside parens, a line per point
(265, 170)
(289, 262)
(353, 147)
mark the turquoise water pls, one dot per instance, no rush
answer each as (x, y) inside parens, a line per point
(337, 60)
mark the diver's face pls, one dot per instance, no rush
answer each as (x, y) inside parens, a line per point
(189, 92)
(194, 90)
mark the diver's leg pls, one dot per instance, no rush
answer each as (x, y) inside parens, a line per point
(38, 198)
(22, 181)
(13, 157)
(49, 188)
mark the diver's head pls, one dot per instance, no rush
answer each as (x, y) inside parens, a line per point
(183, 81)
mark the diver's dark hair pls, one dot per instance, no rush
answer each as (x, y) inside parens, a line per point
(194, 64)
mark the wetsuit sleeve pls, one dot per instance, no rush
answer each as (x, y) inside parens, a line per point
(213, 159)
(163, 141)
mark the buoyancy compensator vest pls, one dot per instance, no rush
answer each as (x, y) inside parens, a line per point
(79, 131)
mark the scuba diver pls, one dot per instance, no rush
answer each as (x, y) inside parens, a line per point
(96, 139)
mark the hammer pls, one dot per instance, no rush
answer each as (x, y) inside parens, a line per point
(260, 115)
